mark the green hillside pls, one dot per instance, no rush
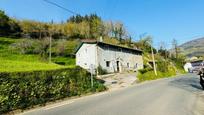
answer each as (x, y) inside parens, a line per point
(11, 60)
(193, 47)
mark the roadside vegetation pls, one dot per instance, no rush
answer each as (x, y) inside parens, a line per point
(20, 90)
(168, 63)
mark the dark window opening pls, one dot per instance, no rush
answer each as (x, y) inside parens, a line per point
(128, 65)
(118, 68)
(136, 65)
(107, 63)
(120, 49)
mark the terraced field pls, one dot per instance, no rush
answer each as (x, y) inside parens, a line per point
(10, 61)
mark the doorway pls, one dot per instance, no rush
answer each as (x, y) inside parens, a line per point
(118, 66)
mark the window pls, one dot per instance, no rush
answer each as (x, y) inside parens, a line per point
(136, 65)
(120, 49)
(107, 63)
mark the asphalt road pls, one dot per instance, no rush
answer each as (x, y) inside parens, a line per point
(174, 96)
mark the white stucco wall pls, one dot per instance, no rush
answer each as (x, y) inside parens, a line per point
(113, 55)
(86, 56)
(98, 55)
(187, 67)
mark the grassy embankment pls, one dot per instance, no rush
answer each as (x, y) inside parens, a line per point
(165, 68)
(11, 61)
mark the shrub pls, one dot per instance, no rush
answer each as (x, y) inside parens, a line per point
(164, 69)
(20, 90)
(145, 70)
(162, 65)
(64, 60)
(101, 71)
(150, 75)
(25, 46)
(64, 47)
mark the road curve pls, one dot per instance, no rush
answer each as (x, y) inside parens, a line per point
(174, 96)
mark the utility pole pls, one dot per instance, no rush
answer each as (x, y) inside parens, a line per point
(97, 63)
(154, 65)
(50, 49)
(92, 71)
(175, 46)
(51, 31)
(92, 79)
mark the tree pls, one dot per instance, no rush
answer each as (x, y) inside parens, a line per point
(163, 51)
(107, 31)
(84, 29)
(145, 44)
(59, 48)
(129, 41)
(92, 26)
(29, 28)
(4, 25)
(71, 30)
(15, 29)
(95, 27)
(8, 27)
(76, 19)
(175, 47)
(42, 47)
(119, 31)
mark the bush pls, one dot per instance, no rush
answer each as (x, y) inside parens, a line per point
(24, 46)
(150, 75)
(20, 90)
(101, 71)
(164, 69)
(63, 60)
(162, 65)
(145, 70)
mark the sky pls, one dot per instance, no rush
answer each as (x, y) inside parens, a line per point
(164, 20)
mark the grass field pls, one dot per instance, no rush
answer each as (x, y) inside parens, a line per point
(14, 66)
(12, 62)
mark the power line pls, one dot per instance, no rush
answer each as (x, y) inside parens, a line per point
(59, 6)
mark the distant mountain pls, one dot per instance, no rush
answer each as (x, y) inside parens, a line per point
(193, 47)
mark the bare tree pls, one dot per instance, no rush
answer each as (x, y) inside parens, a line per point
(175, 47)
(162, 49)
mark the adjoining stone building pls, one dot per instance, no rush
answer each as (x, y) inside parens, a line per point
(112, 58)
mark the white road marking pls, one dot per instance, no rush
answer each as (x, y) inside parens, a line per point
(58, 105)
(73, 100)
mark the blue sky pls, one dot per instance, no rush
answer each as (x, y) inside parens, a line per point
(162, 19)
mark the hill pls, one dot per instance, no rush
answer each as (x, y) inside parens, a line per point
(12, 62)
(193, 47)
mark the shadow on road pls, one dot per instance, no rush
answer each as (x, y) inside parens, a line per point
(189, 82)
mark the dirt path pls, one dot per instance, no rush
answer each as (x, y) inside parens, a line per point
(120, 80)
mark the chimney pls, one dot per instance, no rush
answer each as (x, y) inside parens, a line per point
(101, 39)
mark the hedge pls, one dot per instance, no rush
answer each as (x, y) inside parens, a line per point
(19, 90)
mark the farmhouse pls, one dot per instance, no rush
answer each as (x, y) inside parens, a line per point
(193, 66)
(112, 58)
